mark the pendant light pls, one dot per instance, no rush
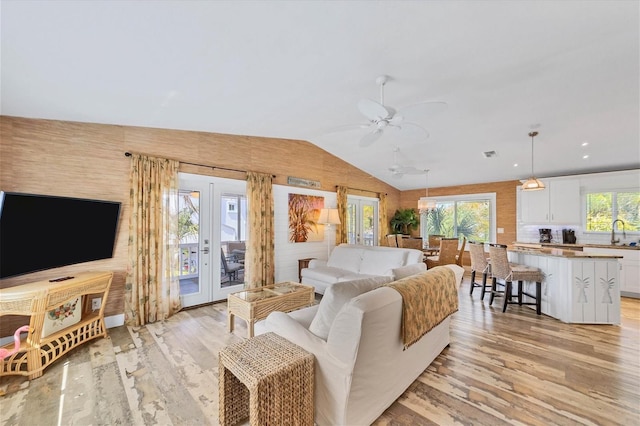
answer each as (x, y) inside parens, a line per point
(532, 184)
(425, 204)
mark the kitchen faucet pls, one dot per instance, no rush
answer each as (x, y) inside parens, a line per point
(613, 231)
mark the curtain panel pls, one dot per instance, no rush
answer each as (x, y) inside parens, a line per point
(341, 196)
(260, 251)
(152, 287)
(383, 220)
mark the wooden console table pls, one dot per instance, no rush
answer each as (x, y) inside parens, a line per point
(36, 300)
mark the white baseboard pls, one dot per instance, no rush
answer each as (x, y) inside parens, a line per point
(114, 321)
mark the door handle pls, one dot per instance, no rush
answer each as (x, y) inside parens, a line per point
(205, 250)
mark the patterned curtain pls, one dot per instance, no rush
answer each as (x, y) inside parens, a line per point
(383, 222)
(260, 255)
(341, 195)
(152, 287)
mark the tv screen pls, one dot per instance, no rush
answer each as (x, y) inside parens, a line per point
(39, 232)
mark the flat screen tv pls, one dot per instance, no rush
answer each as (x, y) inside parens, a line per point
(39, 232)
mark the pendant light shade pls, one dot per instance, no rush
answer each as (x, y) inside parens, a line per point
(532, 184)
(425, 204)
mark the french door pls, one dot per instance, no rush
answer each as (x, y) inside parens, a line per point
(203, 230)
(362, 220)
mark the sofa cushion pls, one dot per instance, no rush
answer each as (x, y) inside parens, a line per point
(326, 274)
(407, 271)
(336, 296)
(382, 262)
(345, 257)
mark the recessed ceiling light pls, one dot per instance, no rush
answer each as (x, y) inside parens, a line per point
(515, 165)
(584, 157)
(585, 143)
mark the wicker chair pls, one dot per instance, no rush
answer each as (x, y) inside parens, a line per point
(446, 255)
(392, 240)
(479, 264)
(501, 269)
(434, 241)
(461, 252)
(413, 243)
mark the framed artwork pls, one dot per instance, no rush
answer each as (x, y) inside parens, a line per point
(303, 218)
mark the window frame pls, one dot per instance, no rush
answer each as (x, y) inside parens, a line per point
(614, 206)
(481, 196)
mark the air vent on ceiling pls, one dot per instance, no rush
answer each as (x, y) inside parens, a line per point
(490, 154)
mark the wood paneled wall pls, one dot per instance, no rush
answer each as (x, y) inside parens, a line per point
(87, 161)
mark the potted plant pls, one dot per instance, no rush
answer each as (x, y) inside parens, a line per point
(404, 220)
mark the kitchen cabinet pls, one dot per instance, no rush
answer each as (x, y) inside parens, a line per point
(629, 268)
(558, 203)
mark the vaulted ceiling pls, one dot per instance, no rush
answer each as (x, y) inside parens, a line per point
(297, 70)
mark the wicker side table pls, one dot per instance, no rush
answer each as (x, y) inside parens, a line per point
(268, 379)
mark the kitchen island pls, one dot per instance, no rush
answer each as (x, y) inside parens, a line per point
(578, 287)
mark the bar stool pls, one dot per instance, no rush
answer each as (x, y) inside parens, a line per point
(501, 269)
(479, 263)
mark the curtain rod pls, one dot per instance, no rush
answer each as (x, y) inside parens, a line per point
(128, 154)
(364, 190)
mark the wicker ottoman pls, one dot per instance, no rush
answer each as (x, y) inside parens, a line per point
(268, 379)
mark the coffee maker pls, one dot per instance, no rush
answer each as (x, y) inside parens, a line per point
(568, 236)
(545, 235)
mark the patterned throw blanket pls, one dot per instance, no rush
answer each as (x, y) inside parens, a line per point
(427, 299)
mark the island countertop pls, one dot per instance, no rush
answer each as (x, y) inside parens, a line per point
(556, 252)
(579, 247)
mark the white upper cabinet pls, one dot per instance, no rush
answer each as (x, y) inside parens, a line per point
(558, 203)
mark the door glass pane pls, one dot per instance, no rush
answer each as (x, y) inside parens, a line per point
(351, 224)
(233, 225)
(368, 225)
(188, 233)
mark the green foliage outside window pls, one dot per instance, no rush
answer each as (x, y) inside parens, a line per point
(470, 219)
(604, 207)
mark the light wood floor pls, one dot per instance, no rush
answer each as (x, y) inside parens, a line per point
(511, 368)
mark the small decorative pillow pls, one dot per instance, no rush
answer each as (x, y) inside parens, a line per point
(336, 296)
(407, 271)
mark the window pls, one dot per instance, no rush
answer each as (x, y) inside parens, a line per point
(605, 207)
(471, 216)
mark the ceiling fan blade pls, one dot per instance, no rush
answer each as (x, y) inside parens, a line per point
(370, 138)
(346, 128)
(422, 110)
(373, 110)
(411, 131)
(414, 171)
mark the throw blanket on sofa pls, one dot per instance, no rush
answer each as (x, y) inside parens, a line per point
(427, 299)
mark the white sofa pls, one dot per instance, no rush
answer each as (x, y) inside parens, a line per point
(361, 365)
(350, 262)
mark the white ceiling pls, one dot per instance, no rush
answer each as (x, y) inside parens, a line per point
(297, 69)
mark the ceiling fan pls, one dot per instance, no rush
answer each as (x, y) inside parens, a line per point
(397, 170)
(382, 118)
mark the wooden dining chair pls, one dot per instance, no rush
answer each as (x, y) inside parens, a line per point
(446, 255)
(391, 240)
